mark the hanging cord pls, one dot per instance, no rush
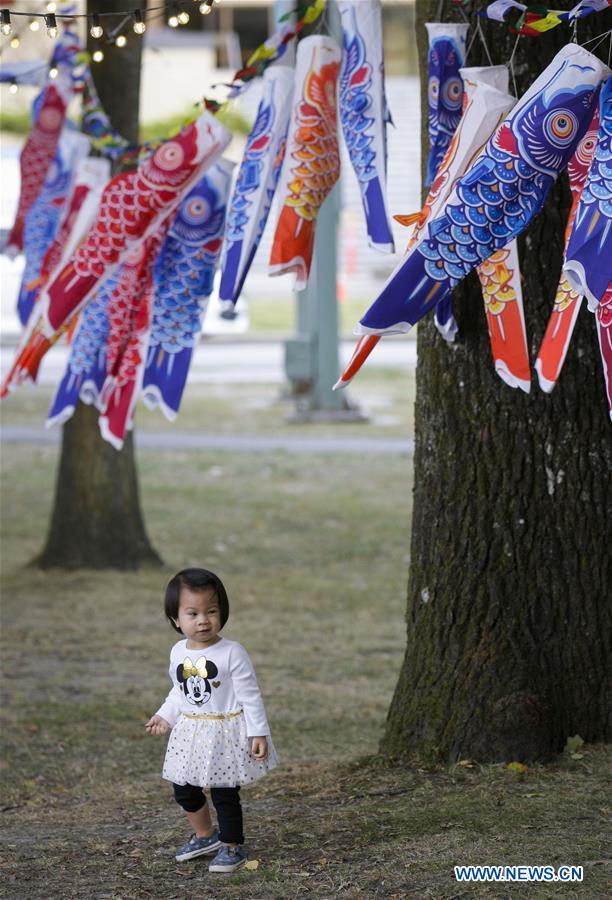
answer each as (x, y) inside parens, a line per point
(610, 49)
(600, 38)
(471, 44)
(478, 32)
(439, 13)
(511, 64)
(322, 25)
(483, 39)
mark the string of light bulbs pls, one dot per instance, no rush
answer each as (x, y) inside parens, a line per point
(177, 15)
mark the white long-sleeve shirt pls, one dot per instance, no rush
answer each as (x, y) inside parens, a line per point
(217, 679)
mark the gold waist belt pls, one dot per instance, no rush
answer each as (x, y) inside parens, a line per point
(213, 715)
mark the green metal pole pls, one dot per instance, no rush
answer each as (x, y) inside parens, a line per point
(323, 305)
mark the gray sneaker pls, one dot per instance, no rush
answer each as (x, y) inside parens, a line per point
(198, 846)
(228, 859)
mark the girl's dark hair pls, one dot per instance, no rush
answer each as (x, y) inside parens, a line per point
(195, 580)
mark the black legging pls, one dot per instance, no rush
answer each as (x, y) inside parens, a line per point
(226, 801)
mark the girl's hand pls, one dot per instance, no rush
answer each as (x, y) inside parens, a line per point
(157, 725)
(259, 748)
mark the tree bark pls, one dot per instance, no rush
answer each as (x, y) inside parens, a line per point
(509, 620)
(96, 520)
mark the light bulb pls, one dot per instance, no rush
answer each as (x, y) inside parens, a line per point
(96, 30)
(51, 7)
(120, 40)
(15, 42)
(6, 26)
(51, 23)
(139, 25)
(205, 9)
(97, 56)
(173, 21)
(13, 88)
(183, 17)
(34, 25)
(53, 72)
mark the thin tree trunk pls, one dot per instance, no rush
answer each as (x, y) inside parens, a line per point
(96, 520)
(509, 615)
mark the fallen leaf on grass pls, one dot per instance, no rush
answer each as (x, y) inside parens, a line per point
(252, 864)
(577, 755)
(466, 763)
(573, 743)
(517, 767)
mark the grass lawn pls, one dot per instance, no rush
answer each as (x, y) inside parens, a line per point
(276, 315)
(313, 550)
(385, 396)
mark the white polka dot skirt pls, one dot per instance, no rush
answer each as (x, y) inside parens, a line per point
(214, 753)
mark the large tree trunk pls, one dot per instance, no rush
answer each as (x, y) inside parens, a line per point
(509, 616)
(96, 520)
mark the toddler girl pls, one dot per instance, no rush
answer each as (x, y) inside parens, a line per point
(220, 736)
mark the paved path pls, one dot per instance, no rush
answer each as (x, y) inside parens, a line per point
(181, 440)
(226, 361)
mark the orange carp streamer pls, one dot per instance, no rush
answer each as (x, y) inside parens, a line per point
(312, 161)
(502, 295)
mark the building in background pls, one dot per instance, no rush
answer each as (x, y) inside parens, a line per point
(251, 21)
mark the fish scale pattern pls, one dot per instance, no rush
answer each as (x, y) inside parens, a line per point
(131, 205)
(183, 281)
(90, 340)
(256, 182)
(355, 84)
(41, 224)
(364, 114)
(502, 192)
(185, 269)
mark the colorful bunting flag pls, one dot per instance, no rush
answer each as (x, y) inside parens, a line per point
(276, 45)
(182, 285)
(500, 194)
(96, 123)
(257, 179)
(364, 114)
(584, 8)
(312, 161)
(499, 9)
(534, 19)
